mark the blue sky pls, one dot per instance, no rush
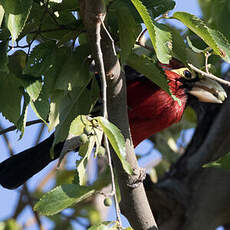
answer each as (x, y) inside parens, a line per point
(8, 198)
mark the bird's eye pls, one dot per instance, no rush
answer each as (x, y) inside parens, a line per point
(187, 74)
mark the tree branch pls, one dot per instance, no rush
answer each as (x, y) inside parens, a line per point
(209, 75)
(133, 195)
(13, 127)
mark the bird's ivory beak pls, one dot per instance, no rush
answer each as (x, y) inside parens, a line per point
(207, 90)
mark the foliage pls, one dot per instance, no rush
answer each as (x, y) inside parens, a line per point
(46, 62)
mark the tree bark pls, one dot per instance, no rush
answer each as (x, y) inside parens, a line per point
(134, 203)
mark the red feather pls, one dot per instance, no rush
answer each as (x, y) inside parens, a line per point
(151, 109)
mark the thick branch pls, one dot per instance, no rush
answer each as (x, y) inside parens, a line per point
(134, 203)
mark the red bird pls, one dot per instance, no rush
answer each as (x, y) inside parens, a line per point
(150, 110)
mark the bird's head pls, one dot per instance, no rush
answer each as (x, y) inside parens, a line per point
(193, 84)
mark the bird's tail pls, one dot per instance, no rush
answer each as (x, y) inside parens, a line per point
(17, 169)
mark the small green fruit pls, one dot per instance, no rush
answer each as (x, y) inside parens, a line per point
(83, 138)
(107, 202)
(101, 151)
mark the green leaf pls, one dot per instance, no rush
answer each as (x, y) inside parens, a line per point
(75, 70)
(158, 7)
(17, 62)
(54, 113)
(10, 224)
(68, 107)
(65, 176)
(196, 50)
(33, 87)
(128, 31)
(71, 35)
(78, 124)
(76, 102)
(216, 19)
(149, 69)
(85, 150)
(3, 57)
(159, 34)
(21, 124)
(179, 48)
(41, 59)
(63, 18)
(223, 163)
(10, 91)
(4, 33)
(102, 226)
(50, 29)
(155, 8)
(211, 37)
(163, 43)
(62, 197)
(55, 67)
(16, 13)
(41, 106)
(117, 141)
(2, 12)
(67, 5)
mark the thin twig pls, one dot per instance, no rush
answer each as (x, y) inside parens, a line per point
(20, 206)
(110, 37)
(207, 55)
(7, 142)
(141, 36)
(47, 178)
(39, 134)
(30, 202)
(163, 16)
(105, 112)
(52, 30)
(13, 127)
(145, 46)
(18, 46)
(209, 75)
(141, 41)
(29, 47)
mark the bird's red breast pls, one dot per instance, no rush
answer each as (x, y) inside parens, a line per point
(151, 109)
